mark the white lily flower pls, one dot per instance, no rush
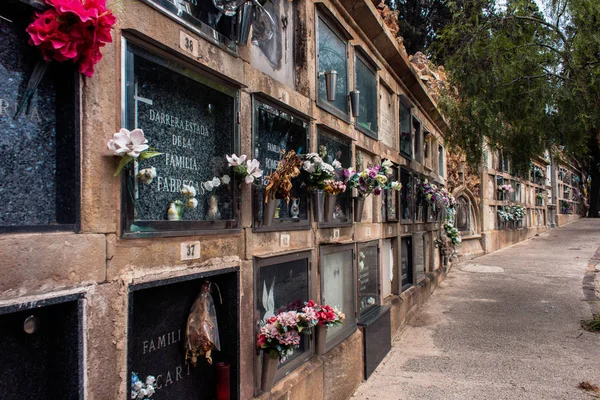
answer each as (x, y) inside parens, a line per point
(225, 179)
(253, 170)
(192, 203)
(146, 175)
(128, 143)
(234, 160)
(216, 182)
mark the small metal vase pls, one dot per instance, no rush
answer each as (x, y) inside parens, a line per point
(359, 205)
(318, 200)
(330, 201)
(269, 211)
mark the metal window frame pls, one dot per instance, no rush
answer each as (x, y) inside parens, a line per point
(323, 14)
(351, 321)
(130, 48)
(361, 56)
(260, 262)
(278, 224)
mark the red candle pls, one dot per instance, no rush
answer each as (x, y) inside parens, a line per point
(223, 385)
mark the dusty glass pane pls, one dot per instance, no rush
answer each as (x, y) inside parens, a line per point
(366, 83)
(283, 287)
(331, 53)
(405, 134)
(338, 287)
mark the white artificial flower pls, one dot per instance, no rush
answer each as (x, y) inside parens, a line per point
(146, 175)
(216, 182)
(225, 179)
(138, 386)
(234, 160)
(208, 186)
(327, 168)
(192, 203)
(134, 394)
(150, 380)
(253, 171)
(309, 167)
(128, 143)
(150, 390)
(388, 170)
(396, 185)
(386, 163)
(336, 164)
(142, 393)
(188, 190)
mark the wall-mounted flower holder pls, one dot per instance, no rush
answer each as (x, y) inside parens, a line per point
(330, 84)
(355, 103)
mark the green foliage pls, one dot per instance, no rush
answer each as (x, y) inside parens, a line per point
(525, 81)
(420, 21)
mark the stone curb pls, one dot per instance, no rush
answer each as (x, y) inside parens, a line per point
(589, 283)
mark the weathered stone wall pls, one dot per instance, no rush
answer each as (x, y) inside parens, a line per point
(97, 261)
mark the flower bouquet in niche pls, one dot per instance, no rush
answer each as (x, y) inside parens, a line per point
(504, 190)
(316, 171)
(278, 337)
(68, 30)
(325, 317)
(279, 184)
(373, 180)
(247, 170)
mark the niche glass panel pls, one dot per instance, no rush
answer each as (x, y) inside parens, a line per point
(332, 147)
(366, 83)
(338, 290)
(391, 200)
(407, 262)
(419, 256)
(277, 131)
(331, 56)
(283, 287)
(387, 267)
(189, 118)
(39, 166)
(406, 197)
(405, 131)
(201, 16)
(368, 278)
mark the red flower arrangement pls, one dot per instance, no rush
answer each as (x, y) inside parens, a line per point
(326, 315)
(73, 30)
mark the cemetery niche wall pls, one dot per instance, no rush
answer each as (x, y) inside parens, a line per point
(189, 118)
(38, 137)
(158, 315)
(41, 349)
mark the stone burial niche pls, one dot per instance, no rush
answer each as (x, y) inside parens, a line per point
(41, 349)
(39, 131)
(158, 315)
